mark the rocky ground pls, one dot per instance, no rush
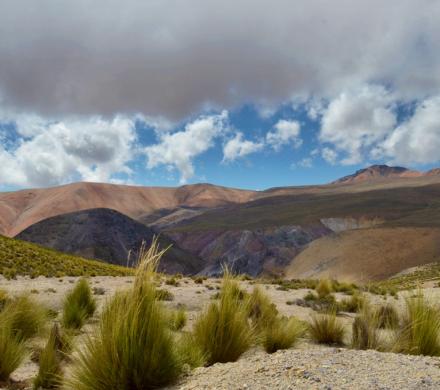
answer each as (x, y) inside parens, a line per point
(307, 366)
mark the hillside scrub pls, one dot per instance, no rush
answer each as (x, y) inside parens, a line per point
(222, 331)
(78, 306)
(23, 258)
(133, 347)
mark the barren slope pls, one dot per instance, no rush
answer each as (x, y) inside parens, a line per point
(18, 210)
(367, 254)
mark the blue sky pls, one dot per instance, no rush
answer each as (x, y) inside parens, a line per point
(169, 93)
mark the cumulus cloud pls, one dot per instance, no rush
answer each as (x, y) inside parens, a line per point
(48, 153)
(170, 58)
(329, 155)
(238, 147)
(284, 132)
(357, 119)
(178, 149)
(417, 140)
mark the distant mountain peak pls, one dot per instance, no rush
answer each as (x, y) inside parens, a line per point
(378, 171)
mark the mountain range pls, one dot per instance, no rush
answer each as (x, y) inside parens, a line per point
(369, 225)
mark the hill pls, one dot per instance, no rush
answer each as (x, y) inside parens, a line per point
(21, 209)
(106, 235)
(366, 254)
(23, 258)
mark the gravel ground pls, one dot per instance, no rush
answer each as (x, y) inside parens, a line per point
(318, 368)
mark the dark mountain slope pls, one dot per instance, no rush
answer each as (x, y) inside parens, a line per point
(106, 235)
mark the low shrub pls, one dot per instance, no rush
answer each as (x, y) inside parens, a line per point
(365, 333)
(190, 351)
(326, 329)
(164, 295)
(222, 331)
(353, 304)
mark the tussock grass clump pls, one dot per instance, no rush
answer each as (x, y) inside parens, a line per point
(12, 352)
(222, 331)
(324, 288)
(178, 319)
(79, 305)
(365, 333)
(261, 310)
(133, 347)
(419, 334)
(282, 333)
(50, 373)
(190, 351)
(4, 298)
(388, 318)
(353, 304)
(327, 329)
(24, 317)
(164, 295)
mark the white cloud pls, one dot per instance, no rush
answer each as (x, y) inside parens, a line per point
(329, 155)
(306, 162)
(284, 132)
(416, 141)
(49, 153)
(357, 119)
(180, 148)
(238, 147)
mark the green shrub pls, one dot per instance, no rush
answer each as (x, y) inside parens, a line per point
(133, 348)
(222, 331)
(177, 319)
(324, 288)
(282, 333)
(78, 306)
(419, 334)
(164, 295)
(25, 317)
(49, 373)
(327, 329)
(12, 352)
(172, 282)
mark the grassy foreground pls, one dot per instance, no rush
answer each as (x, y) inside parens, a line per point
(22, 258)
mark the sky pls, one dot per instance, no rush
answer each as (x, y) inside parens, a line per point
(248, 94)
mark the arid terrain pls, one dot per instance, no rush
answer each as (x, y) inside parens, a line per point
(306, 366)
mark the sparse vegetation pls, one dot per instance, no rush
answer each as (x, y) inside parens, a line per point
(78, 306)
(282, 333)
(365, 333)
(133, 347)
(327, 329)
(24, 317)
(12, 352)
(22, 258)
(164, 295)
(222, 331)
(324, 288)
(420, 328)
(388, 317)
(353, 304)
(178, 319)
(50, 373)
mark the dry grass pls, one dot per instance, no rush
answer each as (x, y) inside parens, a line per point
(78, 306)
(327, 329)
(12, 352)
(222, 331)
(133, 348)
(282, 333)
